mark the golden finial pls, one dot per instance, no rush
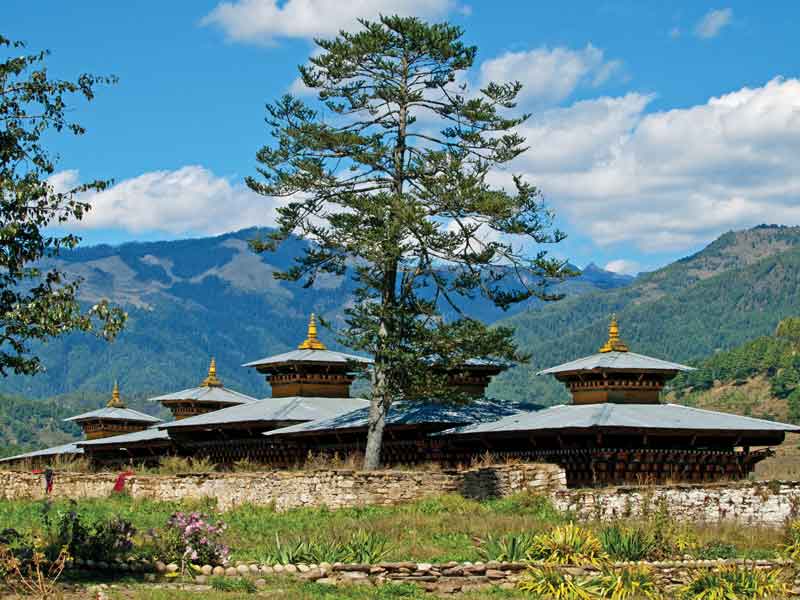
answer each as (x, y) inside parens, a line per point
(211, 380)
(614, 344)
(311, 342)
(116, 401)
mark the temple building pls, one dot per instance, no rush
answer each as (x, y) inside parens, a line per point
(113, 419)
(211, 395)
(615, 429)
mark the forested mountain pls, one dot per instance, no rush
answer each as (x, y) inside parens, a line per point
(737, 288)
(759, 378)
(187, 300)
(190, 299)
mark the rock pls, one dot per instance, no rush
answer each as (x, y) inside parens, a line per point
(254, 569)
(206, 570)
(218, 571)
(290, 568)
(495, 574)
(267, 570)
(278, 568)
(150, 577)
(327, 581)
(260, 583)
(325, 566)
(200, 579)
(243, 570)
(312, 575)
(425, 567)
(160, 567)
(231, 572)
(172, 568)
(303, 568)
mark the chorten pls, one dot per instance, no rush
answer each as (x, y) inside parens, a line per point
(113, 419)
(310, 371)
(211, 395)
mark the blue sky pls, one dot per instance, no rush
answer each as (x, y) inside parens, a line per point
(657, 126)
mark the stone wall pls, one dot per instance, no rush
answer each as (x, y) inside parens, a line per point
(444, 578)
(765, 503)
(291, 489)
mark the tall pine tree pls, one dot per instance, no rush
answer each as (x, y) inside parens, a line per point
(386, 175)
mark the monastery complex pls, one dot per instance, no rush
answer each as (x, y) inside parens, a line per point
(615, 430)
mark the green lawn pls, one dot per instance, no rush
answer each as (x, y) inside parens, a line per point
(436, 530)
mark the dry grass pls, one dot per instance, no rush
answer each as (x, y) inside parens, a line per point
(784, 466)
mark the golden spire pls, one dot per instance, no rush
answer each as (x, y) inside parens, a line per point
(614, 344)
(116, 401)
(311, 342)
(211, 380)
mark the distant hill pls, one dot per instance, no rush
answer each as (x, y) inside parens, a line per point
(737, 288)
(759, 378)
(187, 300)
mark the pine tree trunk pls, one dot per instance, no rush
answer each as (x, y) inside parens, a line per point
(378, 408)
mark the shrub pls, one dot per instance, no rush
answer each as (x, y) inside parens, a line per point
(733, 583)
(551, 584)
(635, 583)
(567, 545)
(792, 546)
(715, 550)
(628, 544)
(193, 538)
(365, 547)
(361, 547)
(510, 547)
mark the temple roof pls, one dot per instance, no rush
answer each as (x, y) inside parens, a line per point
(311, 350)
(210, 390)
(115, 414)
(621, 361)
(410, 413)
(291, 408)
(70, 448)
(150, 434)
(633, 416)
(615, 356)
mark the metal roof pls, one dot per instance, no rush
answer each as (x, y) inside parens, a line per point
(206, 393)
(70, 448)
(634, 416)
(146, 435)
(309, 356)
(115, 414)
(616, 361)
(292, 408)
(411, 413)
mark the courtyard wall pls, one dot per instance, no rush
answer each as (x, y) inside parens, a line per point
(766, 503)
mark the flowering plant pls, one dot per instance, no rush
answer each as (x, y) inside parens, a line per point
(199, 539)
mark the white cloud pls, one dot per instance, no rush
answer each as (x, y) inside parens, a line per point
(623, 266)
(262, 21)
(188, 201)
(672, 179)
(550, 75)
(713, 22)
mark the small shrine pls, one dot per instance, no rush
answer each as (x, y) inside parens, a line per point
(310, 371)
(113, 419)
(210, 396)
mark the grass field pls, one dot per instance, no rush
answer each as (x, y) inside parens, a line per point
(439, 529)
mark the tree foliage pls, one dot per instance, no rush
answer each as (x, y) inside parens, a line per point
(36, 303)
(387, 176)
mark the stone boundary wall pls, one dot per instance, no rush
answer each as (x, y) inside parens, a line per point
(292, 489)
(764, 503)
(444, 578)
